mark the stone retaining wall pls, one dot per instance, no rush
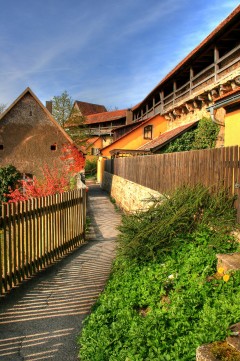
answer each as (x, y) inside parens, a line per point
(129, 196)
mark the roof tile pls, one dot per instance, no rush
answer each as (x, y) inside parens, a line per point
(89, 108)
(166, 137)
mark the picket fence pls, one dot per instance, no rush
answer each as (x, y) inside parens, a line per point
(218, 167)
(37, 232)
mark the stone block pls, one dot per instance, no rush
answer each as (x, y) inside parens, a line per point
(204, 353)
(229, 261)
(234, 341)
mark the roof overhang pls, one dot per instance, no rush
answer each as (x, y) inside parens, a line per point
(118, 152)
(225, 102)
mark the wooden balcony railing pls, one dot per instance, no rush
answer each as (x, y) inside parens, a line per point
(208, 76)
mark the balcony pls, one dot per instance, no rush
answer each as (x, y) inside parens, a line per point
(195, 85)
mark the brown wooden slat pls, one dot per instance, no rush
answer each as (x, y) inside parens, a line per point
(38, 231)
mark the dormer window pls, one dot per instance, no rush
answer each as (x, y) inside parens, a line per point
(148, 132)
(1, 146)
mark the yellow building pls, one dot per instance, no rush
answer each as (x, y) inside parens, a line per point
(137, 137)
(226, 112)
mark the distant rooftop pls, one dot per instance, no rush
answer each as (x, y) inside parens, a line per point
(105, 116)
(89, 108)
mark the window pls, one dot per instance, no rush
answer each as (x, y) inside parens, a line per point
(148, 132)
(94, 151)
(53, 147)
(1, 146)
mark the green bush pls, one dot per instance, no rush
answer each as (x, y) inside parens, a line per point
(9, 176)
(164, 309)
(164, 297)
(91, 166)
(203, 137)
(145, 235)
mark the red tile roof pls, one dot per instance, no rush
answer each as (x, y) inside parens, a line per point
(209, 38)
(105, 116)
(166, 137)
(89, 108)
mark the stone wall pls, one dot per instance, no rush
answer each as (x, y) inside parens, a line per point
(129, 196)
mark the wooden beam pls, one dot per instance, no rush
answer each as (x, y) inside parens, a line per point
(191, 79)
(162, 101)
(225, 88)
(237, 80)
(216, 65)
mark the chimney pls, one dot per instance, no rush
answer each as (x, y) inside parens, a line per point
(129, 116)
(49, 105)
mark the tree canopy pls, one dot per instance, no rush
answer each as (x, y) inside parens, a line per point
(61, 107)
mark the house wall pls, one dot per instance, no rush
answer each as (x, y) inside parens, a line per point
(135, 139)
(129, 196)
(98, 144)
(27, 134)
(232, 128)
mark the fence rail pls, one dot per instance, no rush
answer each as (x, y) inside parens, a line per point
(166, 172)
(37, 232)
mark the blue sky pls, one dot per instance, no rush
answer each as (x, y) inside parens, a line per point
(101, 51)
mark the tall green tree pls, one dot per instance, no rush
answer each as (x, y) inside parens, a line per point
(65, 114)
(61, 107)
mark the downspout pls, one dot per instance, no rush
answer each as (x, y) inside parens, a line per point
(211, 109)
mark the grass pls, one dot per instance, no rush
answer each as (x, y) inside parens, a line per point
(163, 307)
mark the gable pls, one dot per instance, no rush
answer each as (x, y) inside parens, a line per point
(89, 108)
(135, 137)
(29, 136)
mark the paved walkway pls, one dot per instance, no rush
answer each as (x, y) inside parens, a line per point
(40, 320)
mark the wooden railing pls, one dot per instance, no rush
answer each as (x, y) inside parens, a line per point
(36, 232)
(207, 76)
(165, 172)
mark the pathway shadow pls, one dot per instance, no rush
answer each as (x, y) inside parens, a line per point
(41, 318)
(38, 317)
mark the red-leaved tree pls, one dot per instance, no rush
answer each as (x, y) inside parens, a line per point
(73, 158)
(54, 180)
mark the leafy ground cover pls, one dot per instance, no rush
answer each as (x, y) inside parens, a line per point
(165, 303)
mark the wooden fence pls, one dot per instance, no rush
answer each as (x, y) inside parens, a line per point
(166, 172)
(37, 232)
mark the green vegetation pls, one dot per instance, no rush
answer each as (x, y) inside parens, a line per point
(203, 137)
(165, 297)
(9, 176)
(91, 167)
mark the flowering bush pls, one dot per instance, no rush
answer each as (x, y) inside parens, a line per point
(53, 180)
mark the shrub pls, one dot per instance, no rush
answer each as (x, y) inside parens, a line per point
(91, 166)
(164, 309)
(145, 235)
(203, 137)
(9, 177)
